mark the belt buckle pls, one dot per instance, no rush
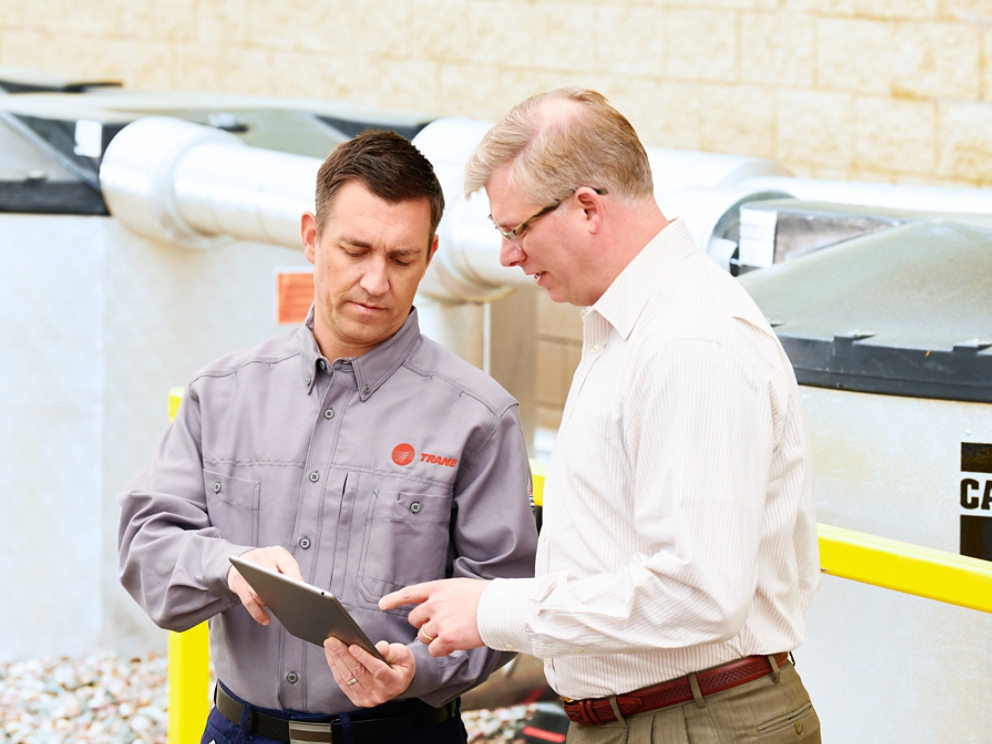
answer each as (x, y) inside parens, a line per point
(301, 732)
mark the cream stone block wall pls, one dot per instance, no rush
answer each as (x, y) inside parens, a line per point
(898, 8)
(819, 123)
(777, 49)
(851, 55)
(937, 60)
(966, 140)
(703, 45)
(741, 118)
(800, 81)
(875, 90)
(895, 135)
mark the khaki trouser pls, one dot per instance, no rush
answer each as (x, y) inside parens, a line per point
(760, 712)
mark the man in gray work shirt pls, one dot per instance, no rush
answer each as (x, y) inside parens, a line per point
(352, 453)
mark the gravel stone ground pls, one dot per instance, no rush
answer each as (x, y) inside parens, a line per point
(105, 699)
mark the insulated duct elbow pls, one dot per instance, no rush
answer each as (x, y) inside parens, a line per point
(199, 187)
(466, 267)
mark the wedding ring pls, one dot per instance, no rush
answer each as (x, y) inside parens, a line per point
(424, 637)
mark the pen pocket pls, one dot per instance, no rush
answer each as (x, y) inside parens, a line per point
(406, 541)
(232, 504)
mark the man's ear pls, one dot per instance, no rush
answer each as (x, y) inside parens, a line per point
(593, 208)
(308, 235)
(432, 250)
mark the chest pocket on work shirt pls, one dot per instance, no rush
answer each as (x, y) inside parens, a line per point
(406, 541)
(232, 504)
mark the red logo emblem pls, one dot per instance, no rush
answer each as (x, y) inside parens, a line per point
(403, 454)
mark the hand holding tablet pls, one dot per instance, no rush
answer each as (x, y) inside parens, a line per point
(305, 611)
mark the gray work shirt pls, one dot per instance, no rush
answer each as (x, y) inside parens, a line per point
(406, 464)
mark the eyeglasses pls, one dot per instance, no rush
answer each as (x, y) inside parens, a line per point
(515, 234)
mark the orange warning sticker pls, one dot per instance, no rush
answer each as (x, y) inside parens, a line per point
(294, 294)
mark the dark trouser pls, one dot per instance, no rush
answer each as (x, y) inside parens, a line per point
(220, 730)
(765, 711)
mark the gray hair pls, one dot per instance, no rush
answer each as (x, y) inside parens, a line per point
(559, 141)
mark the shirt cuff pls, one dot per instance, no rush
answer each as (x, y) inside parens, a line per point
(426, 677)
(216, 571)
(502, 616)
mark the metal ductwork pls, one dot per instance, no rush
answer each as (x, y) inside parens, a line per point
(196, 186)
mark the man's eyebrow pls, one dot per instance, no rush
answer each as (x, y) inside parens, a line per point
(406, 252)
(503, 225)
(356, 242)
(359, 243)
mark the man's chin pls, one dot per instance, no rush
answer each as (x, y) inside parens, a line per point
(369, 333)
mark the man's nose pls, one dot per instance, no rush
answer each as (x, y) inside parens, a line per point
(375, 280)
(510, 254)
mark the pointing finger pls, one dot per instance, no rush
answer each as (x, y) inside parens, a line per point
(414, 594)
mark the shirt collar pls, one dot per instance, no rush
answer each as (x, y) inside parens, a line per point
(372, 368)
(624, 300)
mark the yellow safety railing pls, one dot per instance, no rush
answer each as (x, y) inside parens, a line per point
(903, 567)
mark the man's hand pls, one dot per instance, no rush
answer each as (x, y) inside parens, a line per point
(276, 558)
(447, 616)
(366, 680)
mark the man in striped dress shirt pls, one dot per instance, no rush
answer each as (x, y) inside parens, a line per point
(678, 552)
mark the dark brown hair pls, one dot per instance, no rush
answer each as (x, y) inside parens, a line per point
(388, 165)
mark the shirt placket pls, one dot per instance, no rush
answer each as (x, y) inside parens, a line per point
(318, 503)
(595, 331)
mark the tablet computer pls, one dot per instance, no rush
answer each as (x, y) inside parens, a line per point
(304, 610)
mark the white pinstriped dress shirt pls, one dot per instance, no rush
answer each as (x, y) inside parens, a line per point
(679, 528)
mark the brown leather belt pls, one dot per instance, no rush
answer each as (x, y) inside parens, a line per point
(594, 711)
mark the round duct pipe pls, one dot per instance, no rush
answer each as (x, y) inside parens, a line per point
(198, 187)
(466, 267)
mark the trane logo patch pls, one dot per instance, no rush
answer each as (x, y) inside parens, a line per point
(438, 460)
(403, 454)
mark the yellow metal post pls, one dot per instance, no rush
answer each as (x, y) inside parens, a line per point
(175, 398)
(189, 683)
(189, 666)
(538, 471)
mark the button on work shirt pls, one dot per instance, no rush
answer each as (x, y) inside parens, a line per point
(679, 530)
(406, 464)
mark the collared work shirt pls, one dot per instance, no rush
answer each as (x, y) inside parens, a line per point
(679, 530)
(406, 464)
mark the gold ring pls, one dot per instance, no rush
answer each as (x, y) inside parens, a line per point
(423, 635)
(352, 681)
